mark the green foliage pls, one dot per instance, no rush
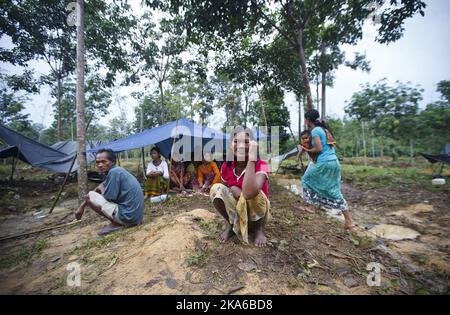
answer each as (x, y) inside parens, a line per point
(298, 28)
(98, 99)
(443, 87)
(11, 110)
(393, 113)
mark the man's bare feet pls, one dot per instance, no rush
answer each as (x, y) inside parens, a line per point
(226, 234)
(260, 238)
(110, 229)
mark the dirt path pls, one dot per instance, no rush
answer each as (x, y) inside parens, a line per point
(176, 251)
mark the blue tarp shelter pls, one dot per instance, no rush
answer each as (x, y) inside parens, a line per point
(188, 136)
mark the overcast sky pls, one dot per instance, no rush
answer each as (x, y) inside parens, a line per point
(421, 56)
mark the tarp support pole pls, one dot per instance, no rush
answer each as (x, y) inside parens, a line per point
(144, 169)
(14, 164)
(171, 158)
(63, 184)
(69, 171)
(13, 167)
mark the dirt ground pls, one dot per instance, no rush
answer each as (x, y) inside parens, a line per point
(176, 250)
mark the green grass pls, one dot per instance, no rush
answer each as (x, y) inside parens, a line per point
(384, 172)
(24, 255)
(373, 177)
(96, 243)
(200, 258)
(209, 227)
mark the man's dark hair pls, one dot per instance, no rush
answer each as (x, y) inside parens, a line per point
(110, 155)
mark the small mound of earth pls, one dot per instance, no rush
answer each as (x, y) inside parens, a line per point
(156, 262)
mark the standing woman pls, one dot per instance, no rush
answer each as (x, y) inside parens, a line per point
(242, 197)
(157, 175)
(322, 181)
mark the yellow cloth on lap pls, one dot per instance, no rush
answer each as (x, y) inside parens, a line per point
(242, 210)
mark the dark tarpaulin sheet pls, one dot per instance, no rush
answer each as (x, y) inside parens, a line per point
(56, 158)
(31, 151)
(10, 151)
(444, 157)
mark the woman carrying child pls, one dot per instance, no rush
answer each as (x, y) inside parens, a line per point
(321, 181)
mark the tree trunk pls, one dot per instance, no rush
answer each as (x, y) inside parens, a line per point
(364, 144)
(324, 89)
(81, 149)
(264, 113)
(142, 149)
(58, 102)
(305, 109)
(382, 146)
(71, 129)
(304, 69)
(161, 91)
(411, 148)
(245, 110)
(373, 148)
(299, 117)
(317, 93)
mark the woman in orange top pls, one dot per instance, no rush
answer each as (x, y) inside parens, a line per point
(208, 173)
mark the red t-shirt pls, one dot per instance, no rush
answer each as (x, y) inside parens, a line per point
(231, 179)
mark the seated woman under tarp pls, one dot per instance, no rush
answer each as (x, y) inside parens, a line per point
(208, 173)
(183, 175)
(157, 175)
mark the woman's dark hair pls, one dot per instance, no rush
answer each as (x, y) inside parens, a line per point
(156, 149)
(313, 116)
(110, 155)
(237, 130)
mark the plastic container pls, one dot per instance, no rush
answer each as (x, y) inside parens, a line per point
(158, 198)
(438, 181)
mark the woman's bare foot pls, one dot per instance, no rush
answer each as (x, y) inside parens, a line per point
(260, 238)
(349, 225)
(310, 209)
(226, 234)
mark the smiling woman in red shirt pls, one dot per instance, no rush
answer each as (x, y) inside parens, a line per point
(242, 197)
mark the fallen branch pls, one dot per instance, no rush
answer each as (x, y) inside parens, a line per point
(38, 231)
(236, 288)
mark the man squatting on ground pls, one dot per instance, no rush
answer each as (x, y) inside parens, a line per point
(119, 197)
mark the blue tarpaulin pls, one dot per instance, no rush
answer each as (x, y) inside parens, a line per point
(31, 152)
(187, 137)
